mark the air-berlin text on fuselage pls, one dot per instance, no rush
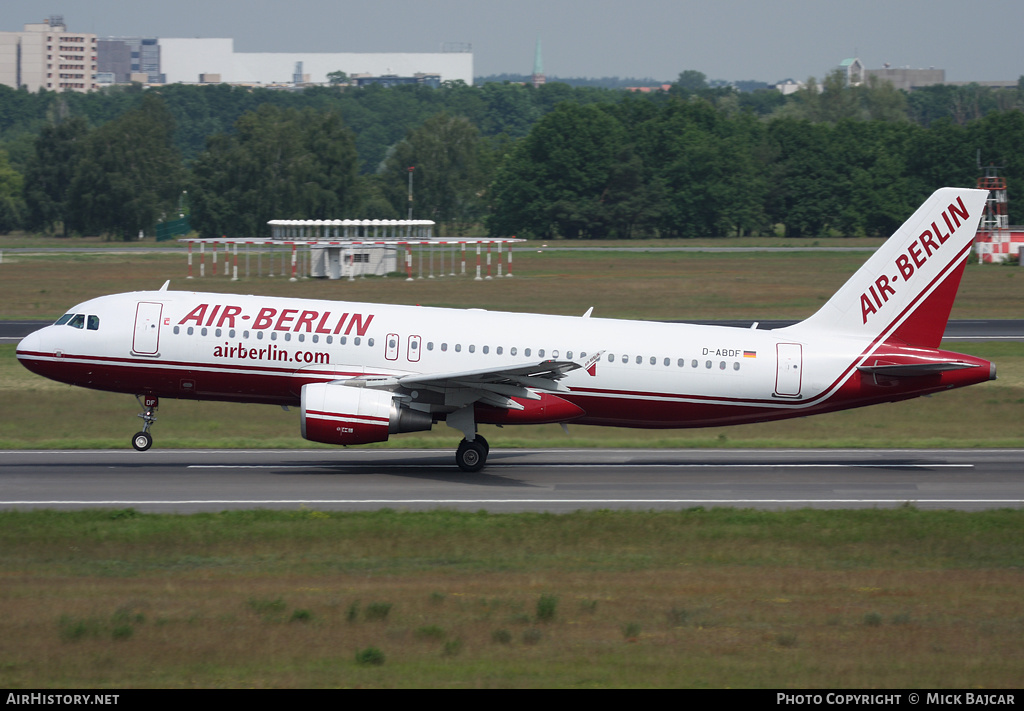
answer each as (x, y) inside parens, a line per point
(308, 321)
(913, 258)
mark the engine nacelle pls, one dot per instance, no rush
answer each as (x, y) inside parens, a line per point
(338, 414)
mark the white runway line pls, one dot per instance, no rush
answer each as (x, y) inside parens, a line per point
(508, 501)
(865, 465)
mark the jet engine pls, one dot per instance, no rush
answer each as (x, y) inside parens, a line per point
(338, 414)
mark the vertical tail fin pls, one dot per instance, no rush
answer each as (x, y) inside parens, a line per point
(905, 291)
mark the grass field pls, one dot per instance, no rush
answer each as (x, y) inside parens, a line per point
(720, 598)
(660, 286)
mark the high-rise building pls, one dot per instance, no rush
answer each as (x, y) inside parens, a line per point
(46, 56)
(128, 57)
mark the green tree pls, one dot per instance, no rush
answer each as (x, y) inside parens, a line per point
(449, 182)
(558, 179)
(129, 174)
(12, 206)
(50, 172)
(710, 167)
(279, 164)
(882, 102)
(691, 81)
(807, 189)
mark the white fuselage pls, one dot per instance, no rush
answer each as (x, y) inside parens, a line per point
(264, 349)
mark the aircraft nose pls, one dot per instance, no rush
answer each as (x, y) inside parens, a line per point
(29, 347)
(30, 343)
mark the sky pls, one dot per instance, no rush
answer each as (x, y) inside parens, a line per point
(764, 40)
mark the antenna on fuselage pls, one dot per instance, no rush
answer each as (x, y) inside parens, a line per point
(166, 284)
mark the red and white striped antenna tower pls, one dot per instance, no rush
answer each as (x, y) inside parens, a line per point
(994, 228)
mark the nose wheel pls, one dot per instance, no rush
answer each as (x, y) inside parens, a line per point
(472, 455)
(143, 440)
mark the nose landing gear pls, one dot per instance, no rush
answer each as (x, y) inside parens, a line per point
(143, 440)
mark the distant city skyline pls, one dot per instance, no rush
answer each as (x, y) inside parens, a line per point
(730, 39)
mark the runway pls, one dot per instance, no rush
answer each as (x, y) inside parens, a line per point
(188, 481)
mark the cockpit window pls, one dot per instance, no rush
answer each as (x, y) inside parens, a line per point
(78, 321)
(94, 323)
(63, 319)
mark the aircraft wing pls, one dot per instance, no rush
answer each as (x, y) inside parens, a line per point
(493, 386)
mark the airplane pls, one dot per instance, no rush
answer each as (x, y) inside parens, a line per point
(360, 372)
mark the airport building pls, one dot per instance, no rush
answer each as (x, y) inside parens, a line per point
(183, 60)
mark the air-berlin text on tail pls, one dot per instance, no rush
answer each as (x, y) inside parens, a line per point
(913, 258)
(326, 322)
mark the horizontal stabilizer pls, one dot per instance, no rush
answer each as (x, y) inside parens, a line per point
(910, 370)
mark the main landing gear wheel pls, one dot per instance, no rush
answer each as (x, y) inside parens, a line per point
(471, 456)
(142, 441)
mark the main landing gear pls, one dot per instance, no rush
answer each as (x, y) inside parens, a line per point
(472, 455)
(144, 440)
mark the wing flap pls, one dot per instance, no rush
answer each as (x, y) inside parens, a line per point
(542, 375)
(492, 386)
